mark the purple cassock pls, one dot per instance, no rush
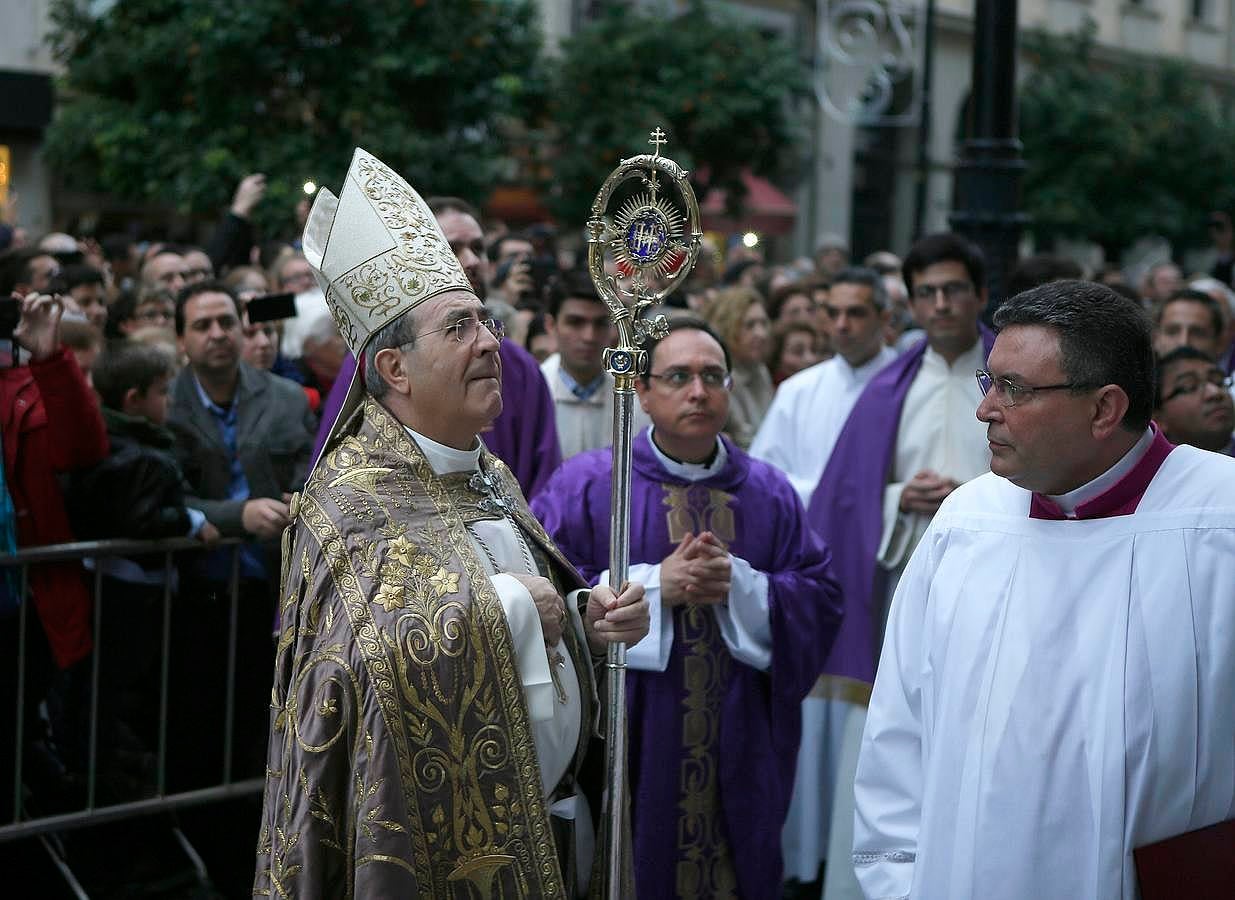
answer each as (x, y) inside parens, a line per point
(524, 436)
(713, 741)
(846, 509)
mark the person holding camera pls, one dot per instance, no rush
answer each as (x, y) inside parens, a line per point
(49, 425)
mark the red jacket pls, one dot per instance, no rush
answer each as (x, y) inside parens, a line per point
(50, 423)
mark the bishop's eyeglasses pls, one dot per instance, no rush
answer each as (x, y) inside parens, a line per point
(466, 330)
(1008, 393)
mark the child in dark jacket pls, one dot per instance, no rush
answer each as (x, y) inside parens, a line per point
(137, 492)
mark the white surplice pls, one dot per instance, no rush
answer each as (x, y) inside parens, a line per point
(938, 430)
(1052, 694)
(806, 417)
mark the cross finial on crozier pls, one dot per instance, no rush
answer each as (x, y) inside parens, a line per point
(658, 140)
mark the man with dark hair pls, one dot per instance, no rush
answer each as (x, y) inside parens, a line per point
(909, 441)
(243, 435)
(85, 285)
(243, 440)
(28, 270)
(807, 413)
(1057, 683)
(582, 390)
(1192, 400)
(743, 606)
(1189, 318)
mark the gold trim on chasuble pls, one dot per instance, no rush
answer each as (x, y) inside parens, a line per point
(705, 863)
(441, 667)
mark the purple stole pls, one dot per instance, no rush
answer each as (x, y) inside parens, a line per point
(524, 435)
(1121, 498)
(846, 510)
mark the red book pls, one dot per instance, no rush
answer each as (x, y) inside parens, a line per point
(1199, 865)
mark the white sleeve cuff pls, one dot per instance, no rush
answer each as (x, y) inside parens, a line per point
(652, 653)
(197, 519)
(744, 621)
(529, 643)
(894, 542)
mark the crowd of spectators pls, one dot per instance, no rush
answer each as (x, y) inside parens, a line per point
(155, 390)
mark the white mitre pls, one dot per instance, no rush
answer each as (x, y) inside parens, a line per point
(377, 252)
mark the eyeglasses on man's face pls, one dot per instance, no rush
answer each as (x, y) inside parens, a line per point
(1190, 384)
(1008, 393)
(952, 290)
(465, 331)
(678, 379)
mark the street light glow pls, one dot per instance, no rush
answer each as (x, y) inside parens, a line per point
(750, 240)
(309, 187)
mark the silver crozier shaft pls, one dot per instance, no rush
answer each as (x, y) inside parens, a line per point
(619, 563)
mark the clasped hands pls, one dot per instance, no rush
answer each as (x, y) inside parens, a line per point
(699, 570)
(609, 618)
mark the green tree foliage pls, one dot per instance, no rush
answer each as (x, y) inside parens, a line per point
(1120, 150)
(173, 101)
(721, 90)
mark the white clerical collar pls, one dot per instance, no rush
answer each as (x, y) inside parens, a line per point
(967, 363)
(1068, 502)
(690, 471)
(444, 460)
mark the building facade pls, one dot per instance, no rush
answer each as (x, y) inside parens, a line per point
(26, 68)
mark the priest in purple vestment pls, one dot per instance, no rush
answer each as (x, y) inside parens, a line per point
(524, 435)
(744, 610)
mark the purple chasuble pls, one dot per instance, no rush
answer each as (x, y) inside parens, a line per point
(713, 741)
(1121, 498)
(524, 435)
(847, 508)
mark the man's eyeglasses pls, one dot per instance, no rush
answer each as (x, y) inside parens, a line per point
(677, 379)
(952, 290)
(1192, 384)
(1009, 393)
(465, 330)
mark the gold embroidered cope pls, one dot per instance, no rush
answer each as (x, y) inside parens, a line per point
(401, 760)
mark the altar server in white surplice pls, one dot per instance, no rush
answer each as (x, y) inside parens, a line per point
(810, 407)
(796, 436)
(1057, 682)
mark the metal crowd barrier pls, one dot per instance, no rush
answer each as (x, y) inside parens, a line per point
(23, 826)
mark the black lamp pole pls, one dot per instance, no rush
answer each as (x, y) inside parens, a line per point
(988, 174)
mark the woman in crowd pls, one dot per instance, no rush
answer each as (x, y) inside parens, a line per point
(738, 315)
